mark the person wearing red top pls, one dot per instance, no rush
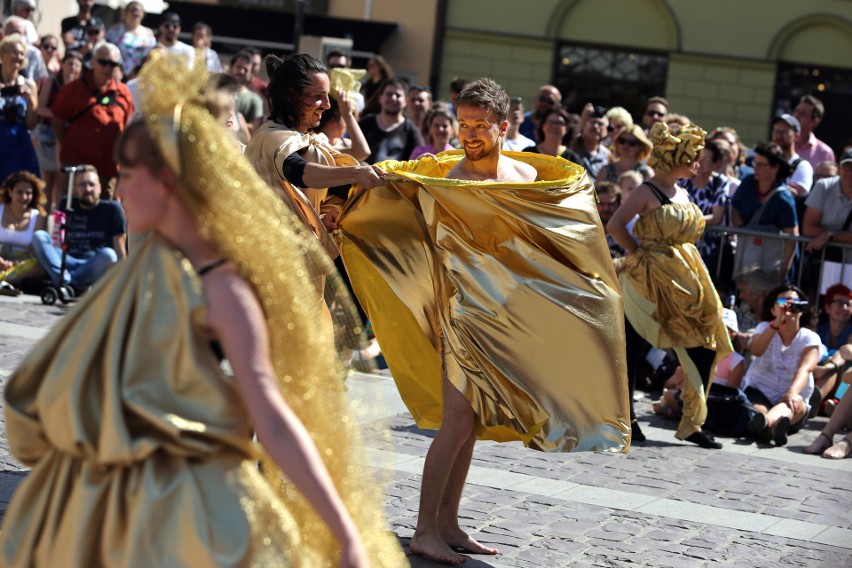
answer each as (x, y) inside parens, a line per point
(90, 113)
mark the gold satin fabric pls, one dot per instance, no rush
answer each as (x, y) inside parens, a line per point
(270, 145)
(512, 282)
(670, 299)
(140, 446)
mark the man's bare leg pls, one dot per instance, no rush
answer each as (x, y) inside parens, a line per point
(456, 430)
(448, 514)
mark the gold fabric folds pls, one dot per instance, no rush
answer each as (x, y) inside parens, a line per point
(509, 286)
(670, 299)
(140, 446)
(269, 147)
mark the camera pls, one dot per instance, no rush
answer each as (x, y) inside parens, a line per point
(797, 306)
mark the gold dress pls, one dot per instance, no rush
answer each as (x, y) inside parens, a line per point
(509, 287)
(670, 299)
(140, 446)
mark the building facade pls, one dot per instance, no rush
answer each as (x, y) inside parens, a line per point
(728, 62)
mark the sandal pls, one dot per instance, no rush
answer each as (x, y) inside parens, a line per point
(839, 451)
(817, 446)
(7, 289)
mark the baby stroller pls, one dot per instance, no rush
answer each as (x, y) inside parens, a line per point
(65, 293)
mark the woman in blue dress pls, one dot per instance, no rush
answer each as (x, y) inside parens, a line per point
(18, 105)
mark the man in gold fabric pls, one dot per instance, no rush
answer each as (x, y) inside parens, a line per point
(486, 277)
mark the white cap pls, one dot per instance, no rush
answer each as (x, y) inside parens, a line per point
(730, 319)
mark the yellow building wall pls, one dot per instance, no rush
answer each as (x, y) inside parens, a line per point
(520, 65)
(409, 51)
(716, 92)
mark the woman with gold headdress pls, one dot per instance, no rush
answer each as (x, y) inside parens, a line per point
(669, 299)
(140, 446)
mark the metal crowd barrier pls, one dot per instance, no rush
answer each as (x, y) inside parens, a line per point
(727, 233)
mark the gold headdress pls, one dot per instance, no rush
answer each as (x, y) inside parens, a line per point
(673, 149)
(346, 80)
(241, 217)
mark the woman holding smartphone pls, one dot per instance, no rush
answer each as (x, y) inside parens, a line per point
(18, 104)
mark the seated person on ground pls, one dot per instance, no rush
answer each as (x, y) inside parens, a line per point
(779, 381)
(22, 211)
(95, 235)
(834, 329)
(841, 418)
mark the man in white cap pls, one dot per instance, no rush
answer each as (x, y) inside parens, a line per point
(24, 9)
(785, 130)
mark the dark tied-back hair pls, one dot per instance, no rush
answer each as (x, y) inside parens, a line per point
(288, 77)
(808, 316)
(775, 156)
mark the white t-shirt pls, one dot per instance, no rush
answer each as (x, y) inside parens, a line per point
(773, 372)
(181, 48)
(802, 175)
(518, 145)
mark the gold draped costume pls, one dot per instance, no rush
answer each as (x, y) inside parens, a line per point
(140, 447)
(269, 147)
(509, 287)
(671, 301)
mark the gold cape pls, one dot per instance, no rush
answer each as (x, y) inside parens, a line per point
(140, 446)
(269, 147)
(514, 282)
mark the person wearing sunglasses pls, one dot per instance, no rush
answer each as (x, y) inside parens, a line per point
(167, 37)
(90, 113)
(49, 47)
(655, 111)
(780, 380)
(25, 9)
(630, 148)
(835, 330)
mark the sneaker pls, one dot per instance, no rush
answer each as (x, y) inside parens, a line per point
(757, 425)
(779, 431)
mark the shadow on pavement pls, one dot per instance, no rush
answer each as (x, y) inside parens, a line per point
(473, 561)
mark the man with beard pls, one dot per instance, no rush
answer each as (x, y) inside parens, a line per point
(248, 104)
(389, 134)
(95, 235)
(785, 130)
(168, 37)
(486, 278)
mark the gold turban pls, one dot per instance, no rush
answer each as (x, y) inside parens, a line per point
(673, 149)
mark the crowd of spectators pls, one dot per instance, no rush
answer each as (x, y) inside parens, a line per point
(67, 97)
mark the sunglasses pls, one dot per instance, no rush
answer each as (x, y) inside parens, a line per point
(93, 31)
(49, 47)
(547, 100)
(655, 113)
(628, 142)
(170, 25)
(108, 62)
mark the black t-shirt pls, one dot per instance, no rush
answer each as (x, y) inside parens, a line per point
(94, 228)
(396, 144)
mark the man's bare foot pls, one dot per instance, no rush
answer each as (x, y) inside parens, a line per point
(839, 451)
(432, 547)
(457, 539)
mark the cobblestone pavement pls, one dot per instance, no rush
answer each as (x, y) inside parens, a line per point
(665, 504)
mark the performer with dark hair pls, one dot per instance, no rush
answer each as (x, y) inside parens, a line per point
(141, 447)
